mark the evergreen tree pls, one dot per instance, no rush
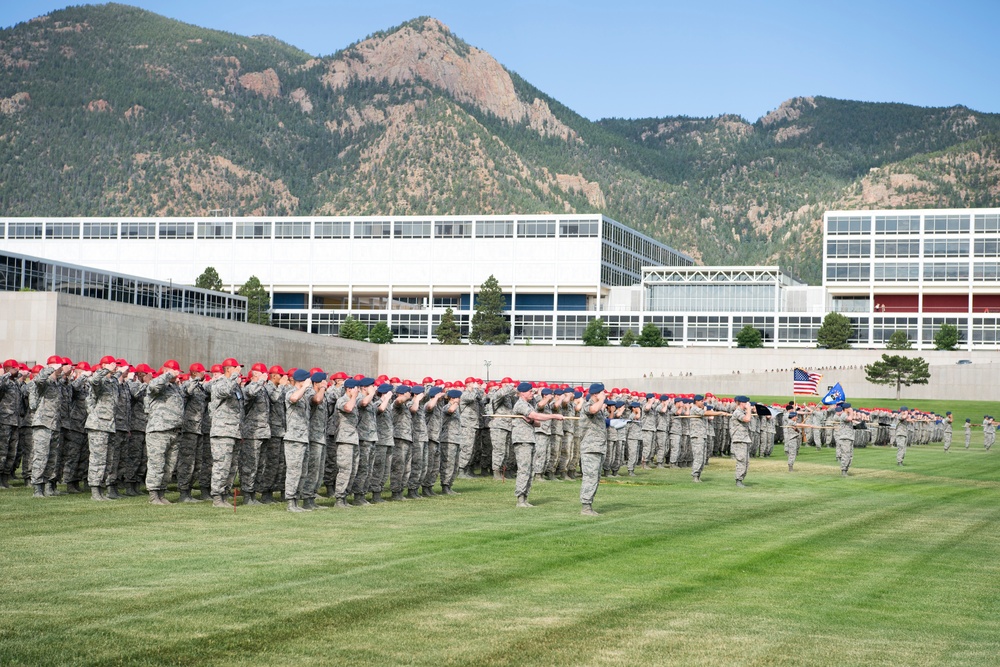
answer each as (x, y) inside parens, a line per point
(488, 322)
(749, 337)
(651, 336)
(628, 338)
(447, 331)
(834, 333)
(209, 279)
(947, 337)
(353, 329)
(596, 333)
(899, 371)
(258, 301)
(380, 333)
(898, 341)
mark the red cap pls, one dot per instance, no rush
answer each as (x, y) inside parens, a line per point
(157, 374)
(449, 385)
(381, 379)
(82, 366)
(230, 363)
(315, 370)
(107, 359)
(143, 368)
(276, 369)
(259, 367)
(440, 383)
(10, 363)
(216, 368)
(408, 383)
(506, 381)
(184, 377)
(291, 371)
(196, 368)
(459, 384)
(22, 367)
(54, 359)
(67, 361)
(339, 375)
(169, 363)
(615, 390)
(394, 380)
(359, 376)
(121, 362)
(427, 380)
(36, 368)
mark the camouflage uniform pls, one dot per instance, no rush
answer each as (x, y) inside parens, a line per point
(739, 433)
(381, 456)
(844, 439)
(470, 412)
(347, 445)
(523, 439)
(134, 455)
(164, 407)
(271, 468)
(190, 440)
(45, 397)
(452, 438)
(256, 430)
(10, 420)
(319, 424)
(502, 401)
(698, 430)
(296, 441)
(119, 441)
(793, 439)
(402, 427)
(74, 465)
(432, 465)
(418, 448)
(593, 449)
(226, 409)
(102, 398)
(367, 436)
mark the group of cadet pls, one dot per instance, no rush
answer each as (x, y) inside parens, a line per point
(289, 433)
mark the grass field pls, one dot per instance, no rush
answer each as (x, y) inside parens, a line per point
(888, 567)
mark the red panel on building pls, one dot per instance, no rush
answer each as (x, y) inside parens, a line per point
(946, 303)
(896, 303)
(986, 303)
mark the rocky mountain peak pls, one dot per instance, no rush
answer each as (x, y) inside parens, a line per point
(789, 110)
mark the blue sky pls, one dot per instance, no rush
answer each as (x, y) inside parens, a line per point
(634, 58)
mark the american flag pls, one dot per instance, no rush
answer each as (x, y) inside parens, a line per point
(806, 382)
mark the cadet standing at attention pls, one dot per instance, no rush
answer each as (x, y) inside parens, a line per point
(593, 446)
(523, 439)
(164, 404)
(739, 433)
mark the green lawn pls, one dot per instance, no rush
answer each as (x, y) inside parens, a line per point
(888, 567)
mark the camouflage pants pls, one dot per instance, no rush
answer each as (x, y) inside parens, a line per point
(432, 464)
(555, 445)
(946, 437)
(269, 468)
(98, 444)
(467, 447)
(741, 452)
(161, 452)
(43, 455)
(74, 463)
(590, 465)
(418, 452)
(500, 439)
(900, 448)
(133, 458)
(698, 455)
(564, 452)
(482, 454)
(573, 457)
(347, 467)
(381, 462)
(249, 463)
(296, 464)
(204, 464)
(660, 439)
(450, 458)
(312, 477)
(845, 450)
(792, 449)
(366, 450)
(23, 456)
(675, 448)
(329, 478)
(8, 448)
(540, 462)
(635, 452)
(116, 447)
(223, 450)
(524, 454)
(968, 438)
(400, 465)
(187, 453)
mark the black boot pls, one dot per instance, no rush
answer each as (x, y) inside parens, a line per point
(428, 492)
(397, 495)
(359, 500)
(73, 487)
(266, 497)
(95, 493)
(446, 491)
(50, 490)
(132, 489)
(39, 490)
(112, 493)
(293, 506)
(376, 498)
(186, 497)
(4, 481)
(250, 498)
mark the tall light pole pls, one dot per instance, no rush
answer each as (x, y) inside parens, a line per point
(487, 363)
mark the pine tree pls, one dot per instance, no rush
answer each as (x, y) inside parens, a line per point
(488, 323)
(834, 333)
(947, 337)
(209, 279)
(258, 301)
(898, 341)
(596, 333)
(628, 338)
(651, 336)
(380, 334)
(899, 371)
(353, 329)
(749, 337)
(447, 331)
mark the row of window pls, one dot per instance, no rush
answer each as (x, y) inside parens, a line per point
(910, 271)
(860, 248)
(302, 229)
(910, 224)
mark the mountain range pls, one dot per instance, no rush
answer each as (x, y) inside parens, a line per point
(113, 110)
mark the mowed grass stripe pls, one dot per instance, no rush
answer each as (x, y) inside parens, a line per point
(676, 573)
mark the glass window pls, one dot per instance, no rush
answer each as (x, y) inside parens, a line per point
(946, 224)
(413, 229)
(986, 331)
(62, 230)
(327, 324)
(905, 248)
(987, 248)
(409, 326)
(292, 229)
(946, 271)
(578, 228)
(949, 248)
(795, 329)
(931, 325)
(848, 224)
(24, 230)
(176, 230)
(897, 272)
(210, 229)
(708, 328)
(453, 229)
(293, 321)
(333, 229)
(571, 327)
(847, 272)
(532, 327)
(100, 230)
(884, 327)
(853, 248)
(494, 229)
(461, 321)
(986, 271)
(897, 224)
(253, 229)
(138, 230)
(372, 229)
(536, 228)
(988, 222)
(851, 304)
(765, 325)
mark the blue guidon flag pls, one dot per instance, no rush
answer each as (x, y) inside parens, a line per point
(805, 382)
(835, 395)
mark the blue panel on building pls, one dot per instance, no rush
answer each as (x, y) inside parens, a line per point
(572, 302)
(463, 303)
(286, 301)
(534, 302)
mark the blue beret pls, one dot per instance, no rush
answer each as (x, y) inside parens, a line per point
(947, 413)
(384, 388)
(903, 408)
(577, 394)
(846, 405)
(300, 375)
(454, 393)
(417, 389)
(839, 408)
(613, 404)
(793, 414)
(559, 391)
(434, 391)
(699, 397)
(650, 395)
(524, 386)
(366, 382)
(741, 399)
(634, 404)
(967, 420)
(895, 412)
(596, 388)
(318, 377)
(350, 383)
(546, 392)
(404, 389)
